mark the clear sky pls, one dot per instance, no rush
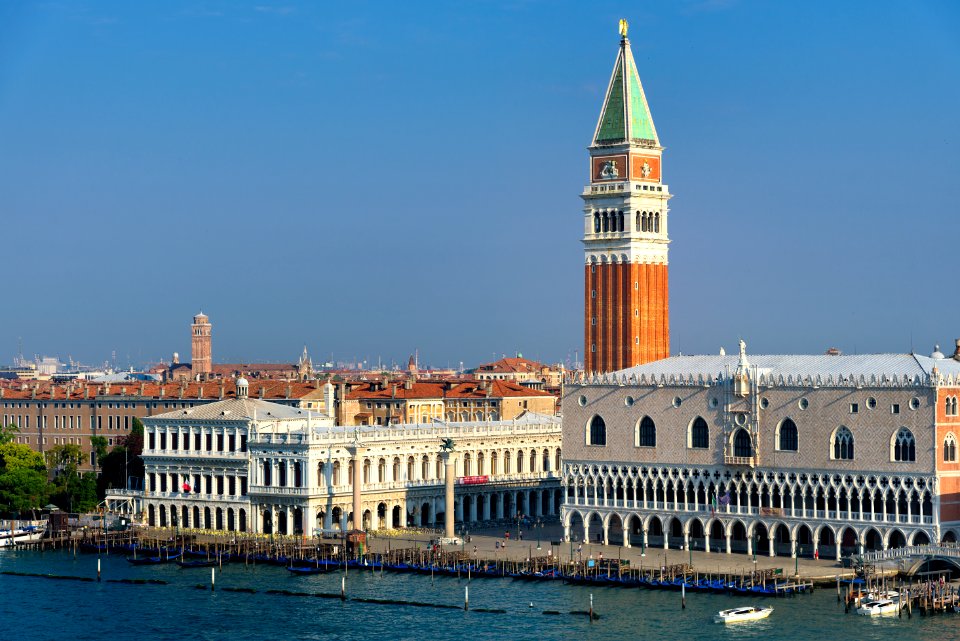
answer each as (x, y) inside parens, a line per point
(368, 178)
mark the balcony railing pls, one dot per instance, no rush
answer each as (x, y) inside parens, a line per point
(750, 461)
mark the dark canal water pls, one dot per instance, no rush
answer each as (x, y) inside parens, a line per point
(43, 609)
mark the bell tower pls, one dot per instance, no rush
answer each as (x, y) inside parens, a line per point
(626, 311)
(201, 357)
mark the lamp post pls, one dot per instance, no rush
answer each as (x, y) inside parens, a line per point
(539, 527)
(519, 516)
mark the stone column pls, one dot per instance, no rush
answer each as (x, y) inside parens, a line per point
(773, 551)
(646, 541)
(499, 505)
(448, 508)
(706, 541)
(793, 547)
(357, 452)
(606, 533)
(729, 550)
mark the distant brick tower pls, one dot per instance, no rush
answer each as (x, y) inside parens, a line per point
(201, 347)
(626, 311)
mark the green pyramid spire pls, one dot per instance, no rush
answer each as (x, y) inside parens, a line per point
(626, 115)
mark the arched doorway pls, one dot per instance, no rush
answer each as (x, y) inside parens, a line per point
(267, 522)
(804, 541)
(920, 538)
(297, 520)
(576, 526)
(718, 540)
(282, 522)
(425, 518)
(872, 541)
(897, 540)
(596, 528)
(738, 537)
(151, 516)
(242, 518)
(337, 518)
(848, 542)
(782, 545)
(614, 530)
(761, 539)
(655, 531)
(697, 539)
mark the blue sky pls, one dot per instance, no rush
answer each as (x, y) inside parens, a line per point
(368, 178)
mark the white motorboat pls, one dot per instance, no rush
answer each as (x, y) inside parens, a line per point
(19, 536)
(876, 595)
(879, 607)
(747, 613)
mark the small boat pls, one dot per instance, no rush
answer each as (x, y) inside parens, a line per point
(737, 615)
(879, 607)
(19, 536)
(197, 563)
(304, 570)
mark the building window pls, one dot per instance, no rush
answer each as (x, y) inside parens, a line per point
(788, 440)
(951, 406)
(904, 446)
(596, 431)
(914, 403)
(646, 433)
(699, 434)
(843, 445)
(854, 408)
(742, 444)
(895, 408)
(950, 449)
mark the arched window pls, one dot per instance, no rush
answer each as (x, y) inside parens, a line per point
(606, 221)
(410, 468)
(596, 222)
(520, 462)
(699, 434)
(366, 470)
(425, 467)
(843, 444)
(905, 446)
(951, 406)
(742, 443)
(396, 468)
(646, 432)
(644, 223)
(546, 460)
(321, 479)
(619, 221)
(788, 440)
(557, 460)
(336, 473)
(596, 431)
(494, 464)
(656, 223)
(467, 465)
(950, 449)
(382, 471)
(638, 221)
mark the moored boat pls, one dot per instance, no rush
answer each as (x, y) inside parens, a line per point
(878, 607)
(738, 615)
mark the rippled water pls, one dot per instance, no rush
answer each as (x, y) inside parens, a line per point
(42, 609)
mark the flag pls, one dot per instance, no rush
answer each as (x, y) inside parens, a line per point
(713, 505)
(186, 487)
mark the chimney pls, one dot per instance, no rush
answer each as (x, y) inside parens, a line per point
(408, 384)
(262, 390)
(123, 391)
(163, 391)
(86, 392)
(106, 389)
(141, 389)
(956, 352)
(221, 389)
(289, 390)
(393, 391)
(199, 391)
(33, 394)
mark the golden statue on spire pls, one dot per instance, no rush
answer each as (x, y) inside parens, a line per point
(624, 25)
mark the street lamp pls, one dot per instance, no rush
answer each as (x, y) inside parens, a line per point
(539, 527)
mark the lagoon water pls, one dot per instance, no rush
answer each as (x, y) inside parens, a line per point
(42, 609)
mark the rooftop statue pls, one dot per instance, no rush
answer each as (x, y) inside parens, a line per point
(446, 445)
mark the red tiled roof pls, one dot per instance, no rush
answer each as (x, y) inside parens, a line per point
(432, 389)
(511, 365)
(18, 390)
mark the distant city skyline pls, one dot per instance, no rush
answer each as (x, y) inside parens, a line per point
(370, 179)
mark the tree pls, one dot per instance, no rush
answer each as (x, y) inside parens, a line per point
(23, 478)
(99, 446)
(8, 433)
(14, 456)
(22, 490)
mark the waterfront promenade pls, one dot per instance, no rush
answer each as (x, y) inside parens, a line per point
(485, 541)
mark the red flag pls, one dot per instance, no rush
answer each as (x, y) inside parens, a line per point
(186, 487)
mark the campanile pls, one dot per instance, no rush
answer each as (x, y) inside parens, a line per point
(201, 346)
(626, 311)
